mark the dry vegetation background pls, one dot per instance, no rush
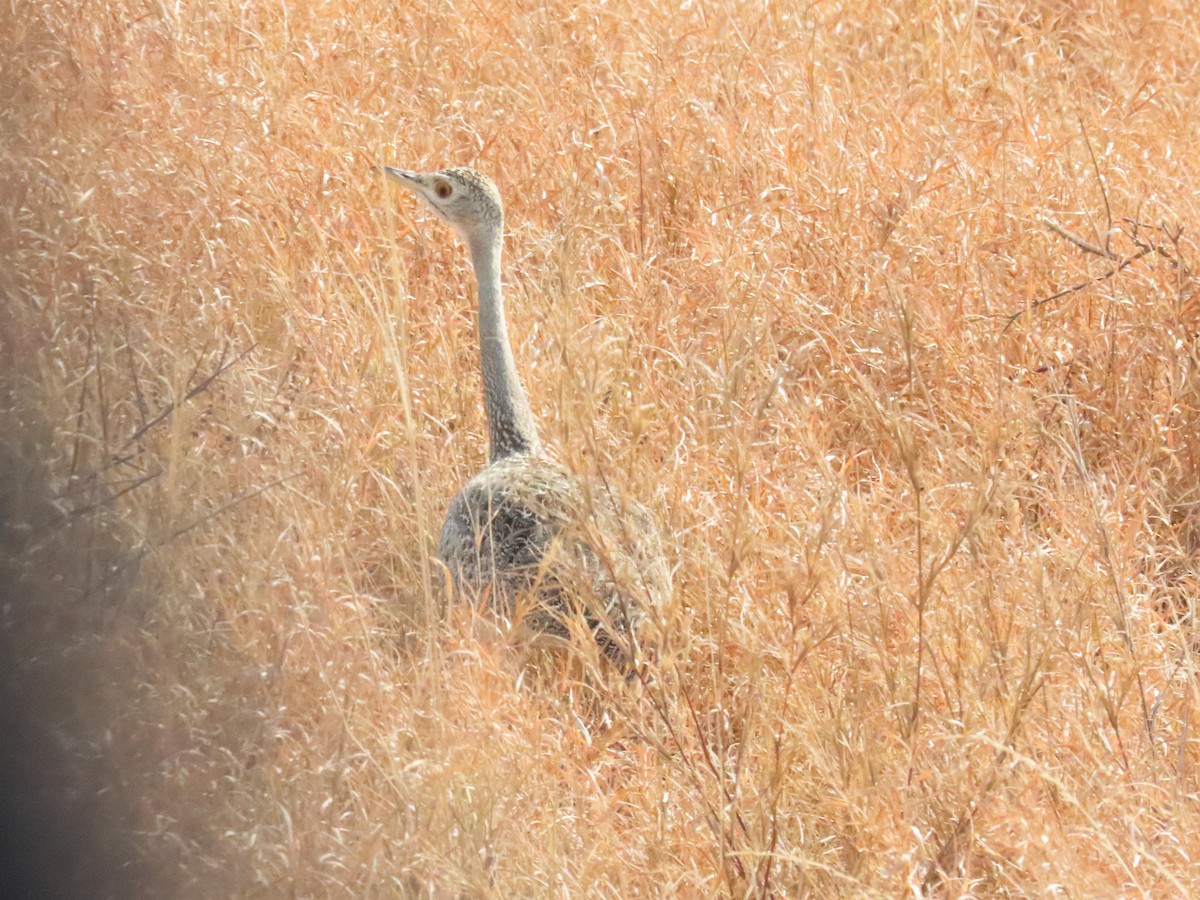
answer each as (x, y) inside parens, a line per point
(936, 563)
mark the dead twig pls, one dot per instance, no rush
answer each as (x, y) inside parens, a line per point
(1075, 288)
(226, 506)
(953, 848)
(1172, 234)
(1103, 190)
(1079, 242)
(124, 455)
(221, 368)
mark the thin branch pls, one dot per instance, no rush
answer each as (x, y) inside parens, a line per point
(951, 850)
(221, 369)
(135, 559)
(1172, 234)
(226, 506)
(1103, 191)
(1079, 242)
(1075, 288)
(134, 485)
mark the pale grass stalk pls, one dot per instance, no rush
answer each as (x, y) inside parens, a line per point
(393, 338)
(777, 248)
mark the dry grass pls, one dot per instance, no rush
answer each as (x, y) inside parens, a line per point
(936, 566)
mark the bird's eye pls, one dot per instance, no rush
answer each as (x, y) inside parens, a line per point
(443, 189)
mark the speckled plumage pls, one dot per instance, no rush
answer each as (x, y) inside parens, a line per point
(525, 528)
(525, 535)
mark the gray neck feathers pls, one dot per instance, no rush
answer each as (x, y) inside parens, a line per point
(510, 421)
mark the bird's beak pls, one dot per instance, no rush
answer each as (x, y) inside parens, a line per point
(420, 185)
(410, 180)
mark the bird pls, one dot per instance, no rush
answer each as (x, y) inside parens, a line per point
(525, 535)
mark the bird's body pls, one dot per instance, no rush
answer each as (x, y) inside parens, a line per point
(524, 534)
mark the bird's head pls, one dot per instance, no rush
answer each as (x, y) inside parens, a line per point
(464, 199)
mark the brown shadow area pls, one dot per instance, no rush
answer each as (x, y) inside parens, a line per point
(69, 827)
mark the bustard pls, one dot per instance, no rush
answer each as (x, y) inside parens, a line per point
(524, 534)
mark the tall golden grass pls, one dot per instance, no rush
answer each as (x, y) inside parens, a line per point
(777, 270)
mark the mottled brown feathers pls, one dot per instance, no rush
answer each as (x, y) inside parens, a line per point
(525, 527)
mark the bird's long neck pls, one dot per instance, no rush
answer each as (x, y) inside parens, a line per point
(510, 421)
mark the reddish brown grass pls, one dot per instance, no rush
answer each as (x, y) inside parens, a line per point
(777, 273)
